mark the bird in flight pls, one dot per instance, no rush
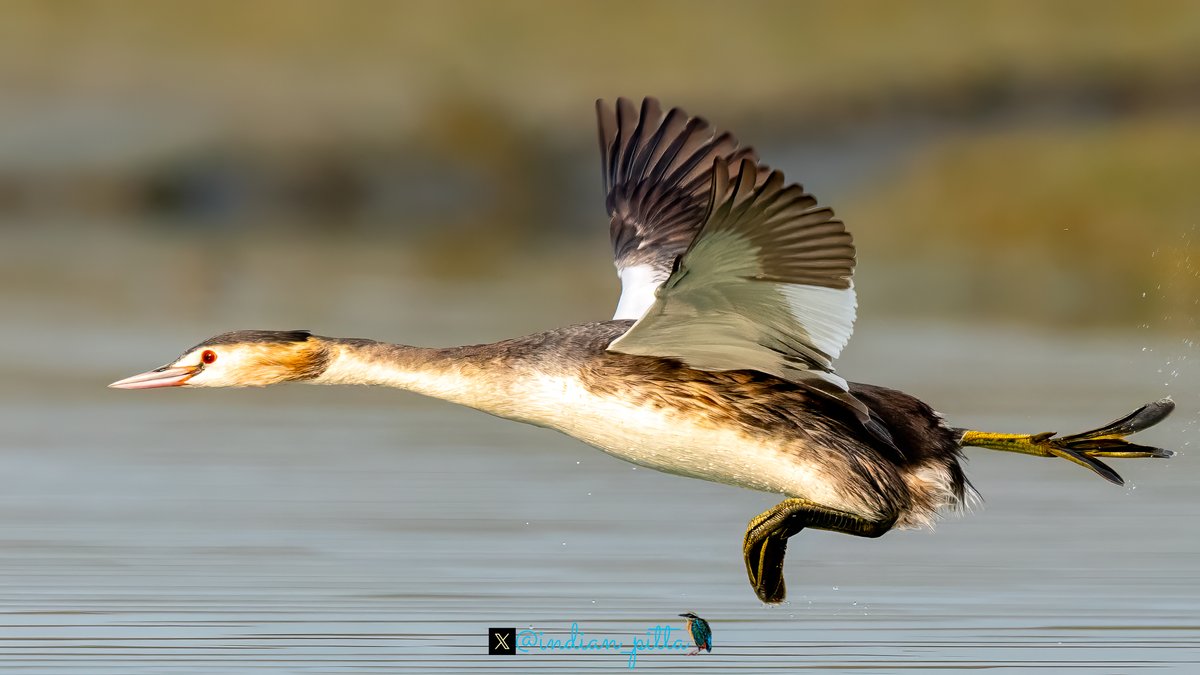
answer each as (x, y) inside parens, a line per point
(737, 295)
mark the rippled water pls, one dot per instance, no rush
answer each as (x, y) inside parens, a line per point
(322, 530)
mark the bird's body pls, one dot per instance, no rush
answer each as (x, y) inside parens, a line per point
(741, 428)
(737, 296)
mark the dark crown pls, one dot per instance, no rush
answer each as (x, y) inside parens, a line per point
(256, 336)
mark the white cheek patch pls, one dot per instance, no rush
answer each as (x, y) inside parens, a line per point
(234, 367)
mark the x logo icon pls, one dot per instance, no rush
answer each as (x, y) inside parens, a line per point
(502, 641)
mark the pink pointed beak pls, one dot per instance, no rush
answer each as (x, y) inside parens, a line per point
(159, 377)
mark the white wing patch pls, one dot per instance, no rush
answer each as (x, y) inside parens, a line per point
(826, 313)
(638, 284)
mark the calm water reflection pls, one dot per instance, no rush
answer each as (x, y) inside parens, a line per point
(321, 530)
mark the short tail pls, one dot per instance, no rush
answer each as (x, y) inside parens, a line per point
(1084, 448)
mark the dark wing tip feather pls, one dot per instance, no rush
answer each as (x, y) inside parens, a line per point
(657, 170)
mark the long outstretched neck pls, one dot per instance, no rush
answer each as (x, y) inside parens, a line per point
(479, 376)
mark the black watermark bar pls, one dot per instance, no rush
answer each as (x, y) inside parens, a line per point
(502, 641)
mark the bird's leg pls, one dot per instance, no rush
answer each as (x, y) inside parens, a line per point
(766, 539)
(1083, 448)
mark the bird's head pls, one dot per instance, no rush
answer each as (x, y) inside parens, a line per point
(689, 615)
(244, 358)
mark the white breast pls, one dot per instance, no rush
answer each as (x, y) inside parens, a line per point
(670, 440)
(662, 438)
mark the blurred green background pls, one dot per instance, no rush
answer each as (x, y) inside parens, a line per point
(1010, 160)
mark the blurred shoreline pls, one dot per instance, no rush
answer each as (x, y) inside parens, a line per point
(1025, 162)
(466, 145)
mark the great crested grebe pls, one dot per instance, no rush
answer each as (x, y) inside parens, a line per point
(736, 297)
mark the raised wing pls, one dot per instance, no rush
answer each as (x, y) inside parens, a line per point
(657, 181)
(766, 285)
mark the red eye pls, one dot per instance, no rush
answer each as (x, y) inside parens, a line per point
(208, 356)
